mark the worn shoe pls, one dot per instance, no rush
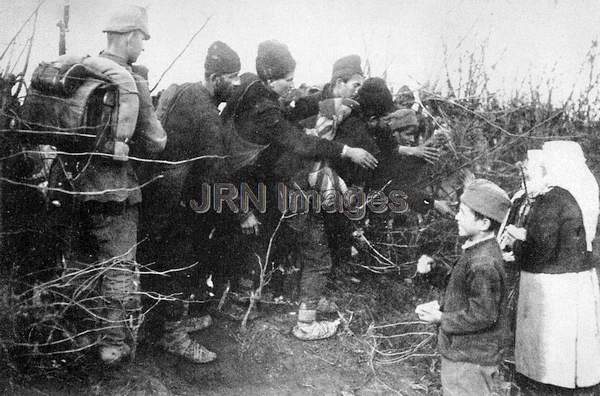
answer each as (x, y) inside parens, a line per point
(180, 343)
(190, 324)
(112, 354)
(316, 330)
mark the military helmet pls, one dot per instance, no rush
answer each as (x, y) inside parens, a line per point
(128, 18)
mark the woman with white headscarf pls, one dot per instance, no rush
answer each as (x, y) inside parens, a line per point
(557, 340)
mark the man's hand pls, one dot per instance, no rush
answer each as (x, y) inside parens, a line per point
(510, 235)
(250, 225)
(360, 156)
(429, 312)
(508, 257)
(443, 207)
(518, 233)
(429, 154)
(337, 108)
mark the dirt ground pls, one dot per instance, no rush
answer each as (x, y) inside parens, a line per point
(268, 360)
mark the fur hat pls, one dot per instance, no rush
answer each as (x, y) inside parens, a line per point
(221, 59)
(346, 67)
(274, 60)
(486, 198)
(375, 98)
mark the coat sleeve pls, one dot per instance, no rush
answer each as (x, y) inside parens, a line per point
(304, 108)
(484, 294)
(149, 133)
(280, 131)
(417, 200)
(194, 130)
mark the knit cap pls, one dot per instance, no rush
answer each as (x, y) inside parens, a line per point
(375, 98)
(274, 60)
(346, 67)
(221, 59)
(486, 198)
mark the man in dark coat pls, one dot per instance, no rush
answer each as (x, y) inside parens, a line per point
(276, 151)
(346, 78)
(177, 235)
(402, 161)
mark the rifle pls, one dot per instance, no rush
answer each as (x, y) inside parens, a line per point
(63, 27)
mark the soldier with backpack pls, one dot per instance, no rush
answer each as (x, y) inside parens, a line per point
(97, 111)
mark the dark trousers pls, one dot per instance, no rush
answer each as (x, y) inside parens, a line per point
(312, 255)
(172, 241)
(301, 238)
(468, 379)
(338, 229)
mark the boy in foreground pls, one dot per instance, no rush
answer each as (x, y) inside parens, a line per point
(471, 317)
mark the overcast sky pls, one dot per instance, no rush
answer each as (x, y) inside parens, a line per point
(404, 37)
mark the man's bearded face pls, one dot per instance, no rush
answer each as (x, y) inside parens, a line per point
(224, 86)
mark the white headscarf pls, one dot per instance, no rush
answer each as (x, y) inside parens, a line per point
(566, 168)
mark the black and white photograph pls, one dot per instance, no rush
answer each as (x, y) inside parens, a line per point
(299, 197)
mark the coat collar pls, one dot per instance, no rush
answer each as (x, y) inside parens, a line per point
(116, 58)
(469, 244)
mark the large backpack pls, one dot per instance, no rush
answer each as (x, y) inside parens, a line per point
(69, 107)
(83, 104)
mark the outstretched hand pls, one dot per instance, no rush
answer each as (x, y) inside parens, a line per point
(428, 153)
(444, 207)
(360, 157)
(250, 225)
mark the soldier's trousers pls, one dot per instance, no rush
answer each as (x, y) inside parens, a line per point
(102, 246)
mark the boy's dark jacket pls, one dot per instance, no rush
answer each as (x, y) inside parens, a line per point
(474, 322)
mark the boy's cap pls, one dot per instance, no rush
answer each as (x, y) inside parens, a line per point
(486, 198)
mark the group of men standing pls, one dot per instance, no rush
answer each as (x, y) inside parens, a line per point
(187, 142)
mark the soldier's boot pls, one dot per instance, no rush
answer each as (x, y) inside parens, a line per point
(179, 342)
(308, 328)
(113, 348)
(120, 285)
